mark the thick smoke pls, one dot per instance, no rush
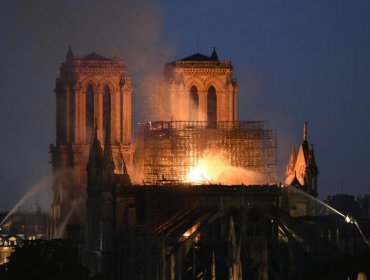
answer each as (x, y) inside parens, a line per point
(256, 88)
(34, 39)
(131, 30)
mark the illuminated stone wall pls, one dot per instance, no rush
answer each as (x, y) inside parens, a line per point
(202, 88)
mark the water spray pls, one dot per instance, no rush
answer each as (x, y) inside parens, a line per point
(347, 218)
(350, 219)
(44, 182)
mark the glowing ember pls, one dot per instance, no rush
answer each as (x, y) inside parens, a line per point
(190, 231)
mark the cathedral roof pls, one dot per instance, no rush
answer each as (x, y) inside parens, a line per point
(95, 56)
(201, 57)
(197, 57)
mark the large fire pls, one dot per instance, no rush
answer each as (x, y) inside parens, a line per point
(213, 168)
(199, 175)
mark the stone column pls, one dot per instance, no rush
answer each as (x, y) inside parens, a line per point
(82, 116)
(77, 125)
(98, 113)
(230, 100)
(235, 107)
(60, 117)
(227, 106)
(115, 116)
(127, 113)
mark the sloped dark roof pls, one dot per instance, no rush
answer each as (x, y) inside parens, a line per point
(197, 57)
(95, 56)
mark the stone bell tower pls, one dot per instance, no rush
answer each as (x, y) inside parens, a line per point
(90, 90)
(202, 88)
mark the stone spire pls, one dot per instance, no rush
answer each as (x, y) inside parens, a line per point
(302, 170)
(108, 163)
(214, 55)
(305, 147)
(311, 161)
(311, 173)
(69, 56)
(95, 161)
(108, 157)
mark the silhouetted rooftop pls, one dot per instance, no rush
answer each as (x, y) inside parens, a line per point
(95, 56)
(199, 57)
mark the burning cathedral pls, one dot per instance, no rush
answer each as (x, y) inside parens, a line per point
(206, 204)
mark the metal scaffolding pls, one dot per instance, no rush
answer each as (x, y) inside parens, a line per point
(167, 150)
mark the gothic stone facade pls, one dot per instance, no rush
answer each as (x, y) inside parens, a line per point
(202, 88)
(91, 91)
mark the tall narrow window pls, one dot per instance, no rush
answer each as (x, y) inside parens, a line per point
(193, 104)
(211, 105)
(106, 109)
(89, 112)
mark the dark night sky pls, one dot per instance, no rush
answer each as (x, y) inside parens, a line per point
(294, 60)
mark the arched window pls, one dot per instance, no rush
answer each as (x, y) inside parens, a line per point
(106, 109)
(193, 104)
(211, 105)
(12, 241)
(89, 112)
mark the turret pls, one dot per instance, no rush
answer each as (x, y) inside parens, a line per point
(311, 173)
(214, 55)
(100, 206)
(69, 55)
(108, 163)
(302, 169)
(95, 162)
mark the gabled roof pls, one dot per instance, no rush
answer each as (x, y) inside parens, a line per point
(292, 161)
(95, 56)
(202, 57)
(197, 57)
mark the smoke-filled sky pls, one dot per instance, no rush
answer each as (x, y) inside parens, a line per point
(294, 60)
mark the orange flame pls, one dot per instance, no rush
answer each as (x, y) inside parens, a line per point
(215, 169)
